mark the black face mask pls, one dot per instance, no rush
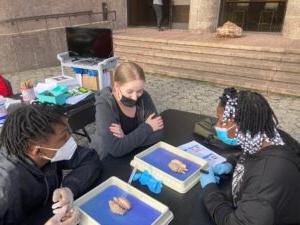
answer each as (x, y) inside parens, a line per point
(128, 101)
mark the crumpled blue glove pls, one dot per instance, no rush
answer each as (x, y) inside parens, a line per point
(145, 178)
(209, 178)
(222, 168)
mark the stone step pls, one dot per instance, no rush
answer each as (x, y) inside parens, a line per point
(223, 80)
(213, 59)
(217, 45)
(262, 68)
(247, 54)
(218, 69)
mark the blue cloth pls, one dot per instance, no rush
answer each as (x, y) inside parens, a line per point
(80, 71)
(222, 168)
(93, 73)
(209, 178)
(145, 178)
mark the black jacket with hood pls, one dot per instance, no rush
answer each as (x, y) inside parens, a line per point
(269, 194)
(107, 112)
(25, 188)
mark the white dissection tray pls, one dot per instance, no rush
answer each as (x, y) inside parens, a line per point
(156, 159)
(145, 210)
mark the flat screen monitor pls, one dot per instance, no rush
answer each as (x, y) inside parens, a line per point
(89, 42)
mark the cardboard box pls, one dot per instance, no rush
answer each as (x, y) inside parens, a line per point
(90, 82)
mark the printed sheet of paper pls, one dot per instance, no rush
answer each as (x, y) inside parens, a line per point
(203, 152)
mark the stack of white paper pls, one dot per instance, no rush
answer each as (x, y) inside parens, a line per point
(75, 99)
(10, 101)
(201, 151)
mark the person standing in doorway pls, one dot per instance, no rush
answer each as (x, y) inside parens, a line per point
(158, 9)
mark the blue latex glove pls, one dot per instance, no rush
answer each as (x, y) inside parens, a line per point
(209, 178)
(222, 168)
(145, 178)
(217, 179)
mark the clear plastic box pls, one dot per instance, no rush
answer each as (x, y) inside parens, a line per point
(164, 215)
(157, 164)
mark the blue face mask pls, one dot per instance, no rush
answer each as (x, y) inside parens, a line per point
(222, 134)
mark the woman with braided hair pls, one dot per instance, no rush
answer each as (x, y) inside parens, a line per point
(36, 147)
(266, 176)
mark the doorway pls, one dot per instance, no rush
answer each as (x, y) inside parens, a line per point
(141, 13)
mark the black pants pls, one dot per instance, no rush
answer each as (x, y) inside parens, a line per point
(158, 9)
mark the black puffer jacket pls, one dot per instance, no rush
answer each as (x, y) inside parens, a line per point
(269, 194)
(25, 189)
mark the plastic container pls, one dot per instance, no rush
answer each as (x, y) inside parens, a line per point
(3, 112)
(59, 90)
(28, 94)
(145, 210)
(55, 96)
(156, 158)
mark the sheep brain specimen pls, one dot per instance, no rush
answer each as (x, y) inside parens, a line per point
(119, 205)
(177, 166)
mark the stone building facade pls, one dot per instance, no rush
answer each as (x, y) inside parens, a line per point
(204, 16)
(30, 44)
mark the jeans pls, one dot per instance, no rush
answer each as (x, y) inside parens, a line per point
(158, 9)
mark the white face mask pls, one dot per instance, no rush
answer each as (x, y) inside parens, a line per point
(64, 153)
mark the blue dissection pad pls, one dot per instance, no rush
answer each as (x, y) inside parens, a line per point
(160, 159)
(99, 210)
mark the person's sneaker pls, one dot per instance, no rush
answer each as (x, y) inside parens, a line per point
(160, 29)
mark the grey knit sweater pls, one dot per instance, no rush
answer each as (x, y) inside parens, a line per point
(107, 112)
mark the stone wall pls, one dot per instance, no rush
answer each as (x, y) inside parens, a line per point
(35, 44)
(34, 49)
(291, 27)
(121, 7)
(204, 15)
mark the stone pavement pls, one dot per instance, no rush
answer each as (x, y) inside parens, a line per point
(187, 95)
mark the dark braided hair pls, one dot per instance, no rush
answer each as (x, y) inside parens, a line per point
(231, 92)
(27, 123)
(254, 114)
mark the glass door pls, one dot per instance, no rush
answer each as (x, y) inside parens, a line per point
(254, 15)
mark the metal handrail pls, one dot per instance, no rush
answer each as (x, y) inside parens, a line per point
(56, 16)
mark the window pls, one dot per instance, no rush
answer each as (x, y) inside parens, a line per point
(254, 15)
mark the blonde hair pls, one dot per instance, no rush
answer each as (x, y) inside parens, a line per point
(128, 71)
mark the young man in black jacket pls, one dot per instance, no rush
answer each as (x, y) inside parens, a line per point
(266, 177)
(36, 147)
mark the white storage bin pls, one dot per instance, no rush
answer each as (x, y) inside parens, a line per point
(164, 215)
